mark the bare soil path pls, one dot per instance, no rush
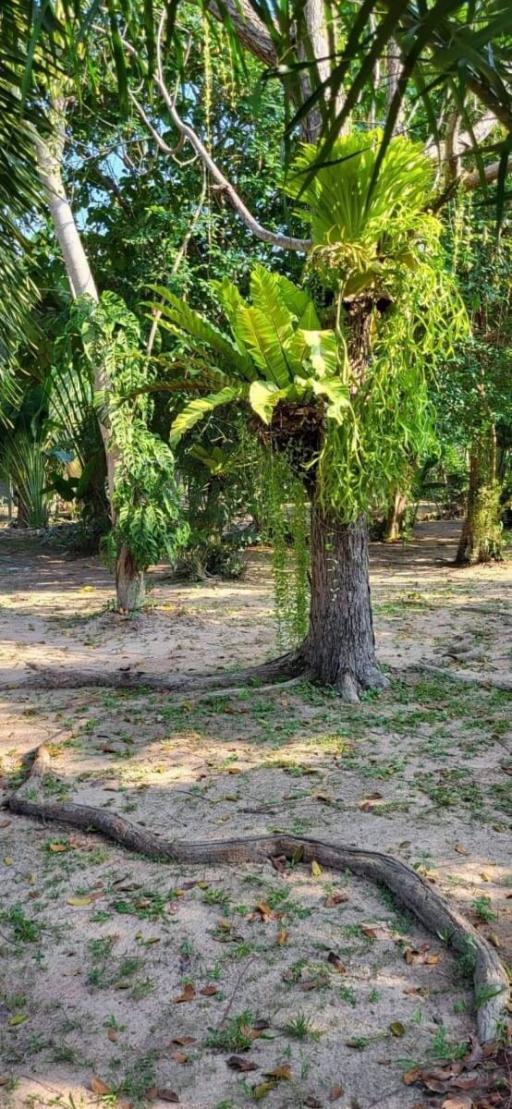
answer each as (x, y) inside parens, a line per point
(109, 962)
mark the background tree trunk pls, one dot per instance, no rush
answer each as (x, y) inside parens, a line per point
(130, 583)
(395, 518)
(481, 537)
(82, 283)
(339, 649)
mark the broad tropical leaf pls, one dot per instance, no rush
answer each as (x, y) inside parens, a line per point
(196, 410)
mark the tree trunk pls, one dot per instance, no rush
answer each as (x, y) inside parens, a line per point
(82, 283)
(130, 584)
(481, 537)
(339, 649)
(395, 518)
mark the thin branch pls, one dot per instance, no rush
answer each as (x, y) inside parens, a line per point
(284, 242)
(180, 256)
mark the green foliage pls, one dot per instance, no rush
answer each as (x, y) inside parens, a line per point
(145, 498)
(285, 516)
(364, 379)
(25, 465)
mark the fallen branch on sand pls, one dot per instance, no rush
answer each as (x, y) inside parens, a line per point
(432, 910)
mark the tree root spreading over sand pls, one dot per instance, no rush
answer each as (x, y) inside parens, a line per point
(432, 910)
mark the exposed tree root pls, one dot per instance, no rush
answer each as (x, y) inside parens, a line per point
(467, 679)
(289, 666)
(434, 912)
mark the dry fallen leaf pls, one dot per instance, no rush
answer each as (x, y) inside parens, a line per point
(182, 1041)
(167, 1095)
(282, 937)
(421, 955)
(397, 1028)
(411, 1076)
(336, 962)
(316, 869)
(261, 1091)
(312, 1102)
(335, 1093)
(236, 1062)
(79, 900)
(179, 1056)
(265, 912)
(336, 898)
(282, 1073)
(209, 991)
(460, 849)
(98, 1086)
(187, 994)
(457, 1103)
(56, 847)
(279, 862)
(113, 1035)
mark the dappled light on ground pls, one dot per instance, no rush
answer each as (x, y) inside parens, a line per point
(142, 976)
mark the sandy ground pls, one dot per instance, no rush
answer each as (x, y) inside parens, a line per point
(123, 979)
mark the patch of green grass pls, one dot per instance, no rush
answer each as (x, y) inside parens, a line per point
(25, 929)
(443, 1048)
(235, 1035)
(483, 909)
(140, 1078)
(301, 1028)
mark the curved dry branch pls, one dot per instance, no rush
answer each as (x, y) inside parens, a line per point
(432, 910)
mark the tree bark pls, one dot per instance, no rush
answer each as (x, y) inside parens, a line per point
(81, 280)
(480, 539)
(339, 649)
(130, 584)
(394, 518)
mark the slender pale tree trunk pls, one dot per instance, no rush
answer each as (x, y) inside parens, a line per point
(395, 518)
(481, 538)
(129, 580)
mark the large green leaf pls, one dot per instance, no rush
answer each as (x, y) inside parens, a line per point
(178, 316)
(263, 398)
(196, 410)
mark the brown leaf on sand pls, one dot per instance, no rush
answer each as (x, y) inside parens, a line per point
(335, 1093)
(457, 1103)
(188, 994)
(279, 862)
(422, 955)
(179, 1056)
(367, 803)
(167, 1095)
(183, 1041)
(312, 1102)
(280, 1074)
(336, 898)
(264, 912)
(236, 1062)
(334, 960)
(98, 1086)
(282, 937)
(209, 991)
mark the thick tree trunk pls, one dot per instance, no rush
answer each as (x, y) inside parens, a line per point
(339, 649)
(129, 582)
(395, 518)
(481, 539)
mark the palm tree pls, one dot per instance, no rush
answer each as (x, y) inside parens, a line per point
(340, 389)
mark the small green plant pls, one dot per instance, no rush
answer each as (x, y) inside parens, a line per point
(235, 1035)
(484, 910)
(301, 1028)
(444, 1048)
(25, 929)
